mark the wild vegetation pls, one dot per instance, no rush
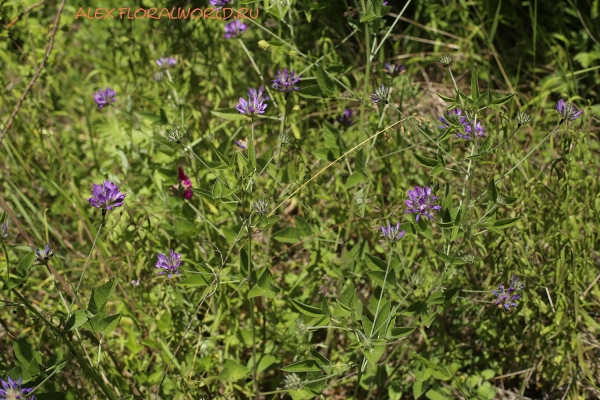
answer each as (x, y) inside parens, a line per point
(352, 199)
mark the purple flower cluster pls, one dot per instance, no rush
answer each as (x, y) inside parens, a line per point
(391, 233)
(420, 202)
(393, 69)
(106, 196)
(219, 3)
(186, 184)
(170, 264)
(252, 107)
(259, 94)
(105, 97)
(12, 390)
(346, 118)
(286, 82)
(454, 118)
(567, 111)
(505, 297)
(44, 258)
(234, 29)
(166, 62)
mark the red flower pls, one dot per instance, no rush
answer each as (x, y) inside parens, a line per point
(186, 183)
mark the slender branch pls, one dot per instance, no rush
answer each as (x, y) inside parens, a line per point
(11, 119)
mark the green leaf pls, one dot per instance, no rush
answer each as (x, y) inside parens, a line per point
(26, 354)
(446, 99)
(100, 296)
(377, 277)
(310, 92)
(265, 222)
(382, 317)
(437, 170)
(428, 318)
(25, 265)
(367, 325)
(230, 114)
(435, 298)
(13, 282)
(474, 85)
(354, 179)
(493, 192)
(370, 16)
(232, 371)
(302, 366)
(76, 319)
(108, 324)
(505, 223)
(425, 161)
(194, 280)
(445, 258)
(435, 395)
(418, 389)
(327, 153)
(265, 286)
(398, 333)
(287, 235)
(321, 360)
(326, 84)
(375, 263)
(302, 227)
(503, 100)
(306, 309)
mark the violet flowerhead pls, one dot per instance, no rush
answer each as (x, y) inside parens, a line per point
(105, 97)
(506, 298)
(381, 95)
(392, 234)
(420, 202)
(252, 107)
(12, 390)
(393, 69)
(286, 82)
(567, 111)
(242, 144)
(479, 131)
(259, 94)
(234, 29)
(219, 3)
(3, 231)
(186, 184)
(166, 62)
(43, 258)
(170, 264)
(346, 118)
(106, 196)
(135, 282)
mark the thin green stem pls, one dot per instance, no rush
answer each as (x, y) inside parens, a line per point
(7, 264)
(387, 269)
(88, 259)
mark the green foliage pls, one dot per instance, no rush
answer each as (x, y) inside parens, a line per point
(302, 297)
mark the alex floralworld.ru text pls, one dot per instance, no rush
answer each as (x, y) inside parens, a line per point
(179, 13)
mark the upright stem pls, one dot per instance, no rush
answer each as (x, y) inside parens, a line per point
(387, 269)
(367, 71)
(89, 257)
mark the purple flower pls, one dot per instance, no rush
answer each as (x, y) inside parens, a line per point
(135, 283)
(506, 297)
(219, 3)
(392, 234)
(384, 3)
(43, 259)
(393, 69)
(104, 97)
(479, 131)
(259, 94)
(3, 231)
(242, 144)
(166, 62)
(381, 95)
(286, 82)
(567, 111)
(106, 196)
(421, 201)
(234, 29)
(251, 107)
(12, 390)
(346, 118)
(170, 264)
(185, 182)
